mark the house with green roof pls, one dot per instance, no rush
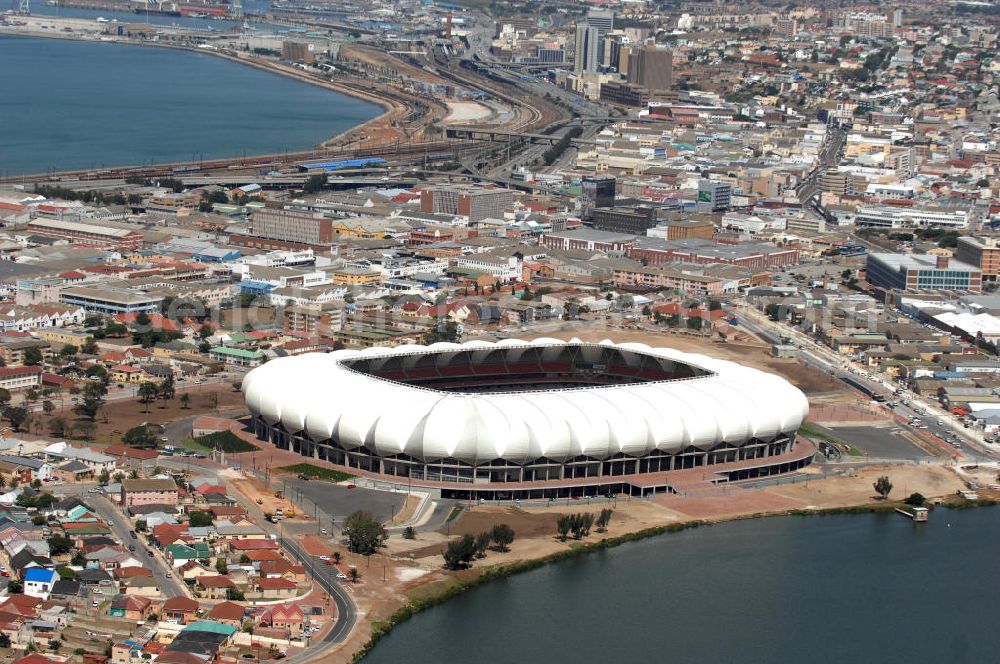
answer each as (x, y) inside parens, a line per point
(181, 553)
(237, 356)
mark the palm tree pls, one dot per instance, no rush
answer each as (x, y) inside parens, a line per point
(354, 574)
(185, 400)
(336, 557)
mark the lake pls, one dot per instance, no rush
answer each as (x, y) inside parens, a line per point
(853, 588)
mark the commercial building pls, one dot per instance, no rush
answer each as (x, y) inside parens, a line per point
(294, 229)
(111, 300)
(596, 191)
(714, 195)
(885, 216)
(514, 421)
(624, 94)
(136, 493)
(922, 272)
(651, 68)
(683, 229)
(588, 239)
(749, 255)
(475, 203)
(20, 378)
(635, 220)
(667, 278)
(981, 252)
(86, 235)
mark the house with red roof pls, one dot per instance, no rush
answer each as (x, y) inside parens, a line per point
(228, 613)
(181, 610)
(288, 617)
(274, 588)
(214, 586)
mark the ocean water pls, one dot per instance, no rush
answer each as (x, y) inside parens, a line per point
(853, 588)
(73, 104)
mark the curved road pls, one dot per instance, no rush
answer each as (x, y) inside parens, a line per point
(324, 575)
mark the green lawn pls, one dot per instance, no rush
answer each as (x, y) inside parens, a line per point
(316, 472)
(225, 441)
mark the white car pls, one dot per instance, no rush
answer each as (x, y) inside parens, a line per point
(324, 558)
(341, 575)
(322, 531)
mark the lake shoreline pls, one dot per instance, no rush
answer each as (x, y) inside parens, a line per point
(382, 628)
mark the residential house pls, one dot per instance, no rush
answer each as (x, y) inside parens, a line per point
(228, 613)
(132, 608)
(181, 610)
(38, 582)
(214, 586)
(274, 588)
(288, 617)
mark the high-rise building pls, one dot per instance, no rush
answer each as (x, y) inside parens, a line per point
(286, 226)
(596, 192)
(713, 195)
(981, 252)
(476, 203)
(587, 53)
(602, 19)
(651, 68)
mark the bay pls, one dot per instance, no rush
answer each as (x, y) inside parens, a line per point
(80, 105)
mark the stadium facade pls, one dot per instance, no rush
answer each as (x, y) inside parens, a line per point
(530, 419)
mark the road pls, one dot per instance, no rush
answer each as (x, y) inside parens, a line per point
(934, 420)
(828, 158)
(323, 574)
(169, 587)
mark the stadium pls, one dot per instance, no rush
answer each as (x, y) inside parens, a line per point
(545, 418)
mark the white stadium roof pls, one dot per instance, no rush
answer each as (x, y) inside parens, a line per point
(317, 396)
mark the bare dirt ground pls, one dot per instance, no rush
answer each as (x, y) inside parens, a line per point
(120, 415)
(928, 479)
(255, 490)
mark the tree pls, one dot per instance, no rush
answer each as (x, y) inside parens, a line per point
(32, 357)
(603, 519)
(775, 312)
(459, 553)
(483, 541)
(185, 401)
(4, 396)
(147, 394)
(245, 559)
(15, 415)
(15, 587)
(916, 499)
(337, 557)
(167, 390)
(364, 532)
(409, 533)
(58, 545)
(104, 477)
(141, 436)
(89, 346)
(503, 536)
(314, 183)
(48, 407)
(564, 525)
(882, 487)
(85, 430)
(220, 566)
(354, 574)
(200, 520)
(3, 481)
(234, 595)
(93, 400)
(142, 320)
